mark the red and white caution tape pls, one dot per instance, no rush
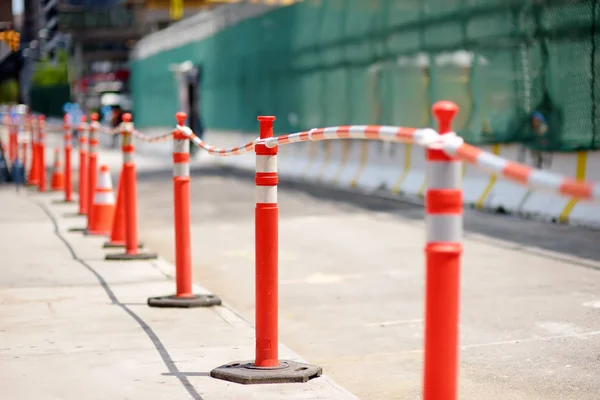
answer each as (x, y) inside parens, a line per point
(232, 151)
(522, 174)
(374, 132)
(137, 134)
(450, 143)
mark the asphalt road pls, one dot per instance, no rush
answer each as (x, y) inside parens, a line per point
(352, 280)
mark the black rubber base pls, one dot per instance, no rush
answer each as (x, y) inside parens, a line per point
(73, 215)
(246, 373)
(77, 229)
(63, 201)
(131, 257)
(109, 245)
(87, 233)
(199, 300)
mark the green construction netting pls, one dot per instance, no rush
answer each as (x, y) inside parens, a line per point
(49, 100)
(521, 71)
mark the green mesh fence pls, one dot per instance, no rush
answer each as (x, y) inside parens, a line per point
(521, 71)
(49, 100)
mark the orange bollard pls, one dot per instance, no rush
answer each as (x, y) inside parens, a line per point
(184, 296)
(3, 145)
(129, 198)
(24, 157)
(13, 145)
(68, 138)
(102, 210)
(34, 173)
(58, 177)
(92, 164)
(117, 233)
(443, 207)
(83, 199)
(41, 153)
(266, 368)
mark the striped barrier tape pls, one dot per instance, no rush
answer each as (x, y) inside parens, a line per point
(452, 144)
(522, 174)
(137, 134)
(232, 151)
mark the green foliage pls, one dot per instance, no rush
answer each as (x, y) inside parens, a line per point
(9, 91)
(49, 74)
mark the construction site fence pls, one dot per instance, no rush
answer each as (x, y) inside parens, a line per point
(522, 71)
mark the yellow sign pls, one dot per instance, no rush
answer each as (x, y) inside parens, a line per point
(176, 9)
(12, 39)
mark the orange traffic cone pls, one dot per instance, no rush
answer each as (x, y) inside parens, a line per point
(58, 176)
(103, 205)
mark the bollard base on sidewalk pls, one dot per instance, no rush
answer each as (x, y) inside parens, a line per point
(72, 215)
(246, 373)
(199, 300)
(88, 233)
(78, 229)
(63, 201)
(119, 245)
(131, 257)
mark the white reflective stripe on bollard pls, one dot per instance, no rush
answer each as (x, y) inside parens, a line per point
(180, 146)
(444, 228)
(181, 169)
(266, 194)
(444, 174)
(266, 163)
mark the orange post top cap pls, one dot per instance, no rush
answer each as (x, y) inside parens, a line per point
(127, 117)
(180, 117)
(266, 118)
(94, 116)
(83, 118)
(104, 168)
(444, 110)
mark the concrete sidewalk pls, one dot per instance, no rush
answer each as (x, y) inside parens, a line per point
(73, 326)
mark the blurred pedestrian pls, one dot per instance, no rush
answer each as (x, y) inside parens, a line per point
(115, 121)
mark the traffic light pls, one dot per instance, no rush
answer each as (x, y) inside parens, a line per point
(15, 41)
(12, 39)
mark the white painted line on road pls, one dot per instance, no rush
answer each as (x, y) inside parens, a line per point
(592, 304)
(583, 335)
(398, 322)
(321, 279)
